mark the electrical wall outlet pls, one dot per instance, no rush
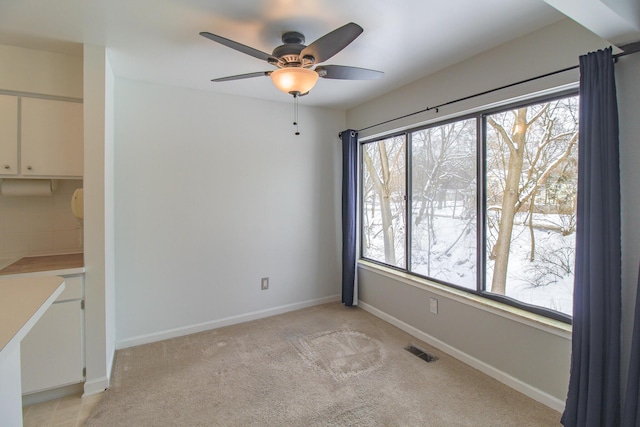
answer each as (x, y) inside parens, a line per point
(264, 283)
(433, 305)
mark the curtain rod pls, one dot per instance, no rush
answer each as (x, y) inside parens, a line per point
(635, 48)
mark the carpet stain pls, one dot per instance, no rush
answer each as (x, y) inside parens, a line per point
(341, 354)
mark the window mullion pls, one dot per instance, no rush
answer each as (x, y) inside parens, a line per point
(481, 203)
(408, 210)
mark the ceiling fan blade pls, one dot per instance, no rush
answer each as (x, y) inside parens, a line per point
(243, 76)
(342, 72)
(240, 47)
(330, 44)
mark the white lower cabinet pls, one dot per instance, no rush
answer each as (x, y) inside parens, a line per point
(52, 353)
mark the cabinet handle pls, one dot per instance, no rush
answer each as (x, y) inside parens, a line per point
(29, 167)
(7, 167)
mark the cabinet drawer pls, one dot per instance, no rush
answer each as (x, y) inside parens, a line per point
(72, 290)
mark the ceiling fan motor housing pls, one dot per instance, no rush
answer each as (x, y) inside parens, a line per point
(289, 53)
(293, 37)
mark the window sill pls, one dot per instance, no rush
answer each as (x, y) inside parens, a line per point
(537, 321)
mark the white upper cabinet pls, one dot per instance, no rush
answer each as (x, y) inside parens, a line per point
(51, 138)
(8, 135)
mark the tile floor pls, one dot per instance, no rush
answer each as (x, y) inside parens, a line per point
(69, 411)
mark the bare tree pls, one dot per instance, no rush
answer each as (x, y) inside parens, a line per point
(525, 156)
(443, 164)
(384, 162)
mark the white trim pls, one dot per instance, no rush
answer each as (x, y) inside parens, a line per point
(95, 386)
(55, 393)
(524, 317)
(219, 323)
(110, 356)
(524, 388)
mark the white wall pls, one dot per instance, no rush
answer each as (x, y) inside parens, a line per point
(212, 193)
(535, 361)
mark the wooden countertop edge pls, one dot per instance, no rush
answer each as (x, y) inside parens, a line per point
(43, 263)
(63, 272)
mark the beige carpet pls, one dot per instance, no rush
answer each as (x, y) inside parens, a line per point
(324, 366)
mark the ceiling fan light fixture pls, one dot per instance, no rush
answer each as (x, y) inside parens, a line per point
(294, 80)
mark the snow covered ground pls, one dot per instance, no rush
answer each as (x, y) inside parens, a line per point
(448, 254)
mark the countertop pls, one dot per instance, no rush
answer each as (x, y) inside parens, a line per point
(22, 302)
(49, 264)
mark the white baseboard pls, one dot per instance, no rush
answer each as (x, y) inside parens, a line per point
(219, 323)
(524, 388)
(95, 386)
(55, 393)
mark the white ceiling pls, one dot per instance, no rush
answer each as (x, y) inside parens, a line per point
(158, 41)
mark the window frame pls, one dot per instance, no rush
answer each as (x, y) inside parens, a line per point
(480, 117)
(361, 195)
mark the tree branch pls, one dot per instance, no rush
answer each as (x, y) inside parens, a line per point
(503, 133)
(537, 116)
(547, 172)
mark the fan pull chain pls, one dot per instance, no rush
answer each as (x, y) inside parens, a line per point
(295, 113)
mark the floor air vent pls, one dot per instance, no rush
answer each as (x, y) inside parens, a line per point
(427, 357)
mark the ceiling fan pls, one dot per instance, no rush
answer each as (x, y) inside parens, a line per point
(298, 65)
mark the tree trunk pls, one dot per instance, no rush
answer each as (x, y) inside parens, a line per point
(532, 235)
(455, 203)
(381, 186)
(387, 229)
(509, 200)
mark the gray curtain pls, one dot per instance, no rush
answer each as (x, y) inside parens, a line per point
(631, 413)
(593, 397)
(349, 215)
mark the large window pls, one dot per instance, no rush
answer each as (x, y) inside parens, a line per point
(485, 203)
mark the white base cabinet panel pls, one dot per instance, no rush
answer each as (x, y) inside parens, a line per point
(52, 353)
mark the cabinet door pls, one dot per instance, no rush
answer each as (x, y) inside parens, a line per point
(52, 352)
(8, 135)
(51, 138)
